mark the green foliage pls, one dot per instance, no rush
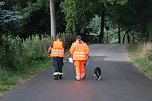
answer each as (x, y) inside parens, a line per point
(12, 59)
(78, 14)
(8, 16)
(122, 2)
(33, 15)
(34, 57)
(149, 31)
(69, 10)
(95, 24)
(7, 53)
(149, 54)
(36, 17)
(134, 15)
(31, 43)
(1, 4)
(143, 63)
(9, 19)
(15, 65)
(33, 8)
(135, 48)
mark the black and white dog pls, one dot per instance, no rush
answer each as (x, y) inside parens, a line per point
(97, 73)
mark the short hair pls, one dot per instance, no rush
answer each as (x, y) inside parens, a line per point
(58, 36)
(79, 37)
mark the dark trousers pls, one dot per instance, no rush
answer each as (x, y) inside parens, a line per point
(57, 66)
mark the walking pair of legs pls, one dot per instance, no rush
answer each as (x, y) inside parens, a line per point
(80, 69)
(57, 68)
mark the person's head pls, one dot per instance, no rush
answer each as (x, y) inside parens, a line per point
(79, 38)
(57, 36)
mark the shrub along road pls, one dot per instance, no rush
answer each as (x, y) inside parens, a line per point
(121, 81)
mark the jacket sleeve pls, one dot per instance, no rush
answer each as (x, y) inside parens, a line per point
(63, 45)
(72, 50)
(86, 50)
(51, 46)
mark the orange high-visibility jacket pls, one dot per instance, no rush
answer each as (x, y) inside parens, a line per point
(79, 51)
(57, 50)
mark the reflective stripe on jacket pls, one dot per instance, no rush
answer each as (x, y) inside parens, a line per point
(57, 50)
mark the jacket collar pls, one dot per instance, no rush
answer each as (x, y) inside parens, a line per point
(77, 41)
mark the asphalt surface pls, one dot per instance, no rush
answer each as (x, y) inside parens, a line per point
(121, 81)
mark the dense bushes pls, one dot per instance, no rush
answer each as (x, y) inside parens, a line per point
(34, 57)
(149, 54)
(20, 59)
(7, 53)
(15, 55)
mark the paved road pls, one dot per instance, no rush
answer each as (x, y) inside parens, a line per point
(121, 81)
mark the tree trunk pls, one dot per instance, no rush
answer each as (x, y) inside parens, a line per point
(119, 35)
(107, 36)
(124, 37)
(102, 27)
(128, 37)
(1, 41)
(133, 35)
(52, 18)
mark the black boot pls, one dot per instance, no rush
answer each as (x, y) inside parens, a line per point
(56, 77)
(60, 77)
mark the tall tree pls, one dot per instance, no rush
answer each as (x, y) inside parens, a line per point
(8, 18)
(36, 17)
(78, 14)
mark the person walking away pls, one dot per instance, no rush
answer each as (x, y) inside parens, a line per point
(79, 53)
(57, 53)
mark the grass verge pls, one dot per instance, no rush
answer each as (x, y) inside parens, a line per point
(142, 63)
(9, 78)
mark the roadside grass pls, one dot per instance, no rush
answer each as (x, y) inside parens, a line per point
(140, 60)
(9, 78)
